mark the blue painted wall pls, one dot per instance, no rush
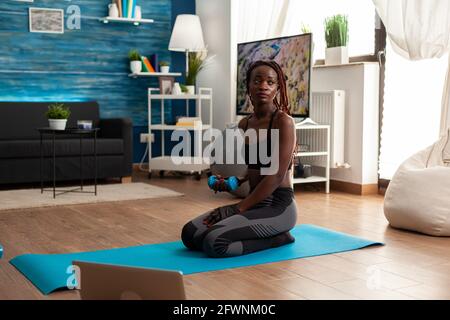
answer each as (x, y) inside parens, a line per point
(89, 63)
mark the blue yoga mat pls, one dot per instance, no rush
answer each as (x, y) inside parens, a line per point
(49, 272)
(1, 251)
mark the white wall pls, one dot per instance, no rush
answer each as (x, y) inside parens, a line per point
(360, 82)
(215, 17)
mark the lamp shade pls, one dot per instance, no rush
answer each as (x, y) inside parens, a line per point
(187, 34)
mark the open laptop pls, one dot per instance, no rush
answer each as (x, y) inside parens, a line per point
(113, 282)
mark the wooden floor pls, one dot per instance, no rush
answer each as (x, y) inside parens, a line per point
(409, 266)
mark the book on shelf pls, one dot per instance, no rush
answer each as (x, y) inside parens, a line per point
(189, 121)
(124, 8)
(183, 118)
(147, 64)
(119, 7)
(130, 8)
(189, 124)
(154, 62)
(133, 8)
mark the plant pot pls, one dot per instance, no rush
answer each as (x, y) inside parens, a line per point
(57, 124)
(164, 69)
(190, 89)
(136, 66)
(336, 55)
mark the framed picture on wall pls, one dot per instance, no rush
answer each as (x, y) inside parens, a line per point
(166, 85)
(46, 20)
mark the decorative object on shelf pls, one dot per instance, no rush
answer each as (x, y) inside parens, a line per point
(336, 36)
(176, 89)
(164, 66)
(135, 61)
(57, 115)
(84, 124)
(46, 20)
(113, 11)
(138, 13)
(187, 36)
(166, 84)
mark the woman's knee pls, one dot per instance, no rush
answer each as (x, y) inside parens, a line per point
(187, 235)
(210, 248)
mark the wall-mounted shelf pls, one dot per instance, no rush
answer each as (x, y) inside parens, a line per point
(136, 22)
(154, 74)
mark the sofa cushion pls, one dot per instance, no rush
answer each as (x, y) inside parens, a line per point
(63, 147)
(19, 120)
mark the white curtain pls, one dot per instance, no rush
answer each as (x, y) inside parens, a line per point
(415, 106)
(420, 29)
(260, 19)
(412, 108)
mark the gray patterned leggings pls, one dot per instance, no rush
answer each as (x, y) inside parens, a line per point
(265, 225)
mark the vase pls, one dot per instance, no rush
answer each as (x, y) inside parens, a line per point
(164, 69)
(113, 10)
(190, 89)
(336, 55)
(136, 66)
(57, 124)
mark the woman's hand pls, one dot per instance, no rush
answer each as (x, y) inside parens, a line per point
(220, 214)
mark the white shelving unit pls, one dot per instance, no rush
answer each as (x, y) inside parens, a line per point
(196, 163)
(134, 21)
(314, 144)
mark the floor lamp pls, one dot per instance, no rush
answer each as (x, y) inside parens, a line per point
(187, 36)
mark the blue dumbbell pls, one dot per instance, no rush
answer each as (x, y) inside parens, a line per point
(232, 183)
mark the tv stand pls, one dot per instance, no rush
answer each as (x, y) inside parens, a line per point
(306, 121)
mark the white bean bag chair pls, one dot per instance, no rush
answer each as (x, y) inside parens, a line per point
(418, 196)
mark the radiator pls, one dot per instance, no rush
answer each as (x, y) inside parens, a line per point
(327, 107)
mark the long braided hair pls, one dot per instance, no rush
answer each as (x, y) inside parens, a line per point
(283, 104)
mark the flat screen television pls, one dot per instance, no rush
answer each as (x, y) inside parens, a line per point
(293, 54)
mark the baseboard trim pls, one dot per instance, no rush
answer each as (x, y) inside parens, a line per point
(354, 188)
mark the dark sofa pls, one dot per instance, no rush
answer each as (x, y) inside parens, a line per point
(20, 144)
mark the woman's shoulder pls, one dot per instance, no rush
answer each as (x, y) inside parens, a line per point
(282, 119)
(243, 122)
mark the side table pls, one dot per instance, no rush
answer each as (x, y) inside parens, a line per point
(68, 131)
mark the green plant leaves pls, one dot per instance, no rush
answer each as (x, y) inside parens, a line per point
(336, 31)
(57, 111)
(134, 55)
(195, 66)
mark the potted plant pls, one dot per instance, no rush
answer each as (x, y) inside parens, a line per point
(164, 66)
(336, 36)
(183, 88)
(196, 63)
(57, 115)
(135, 61)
